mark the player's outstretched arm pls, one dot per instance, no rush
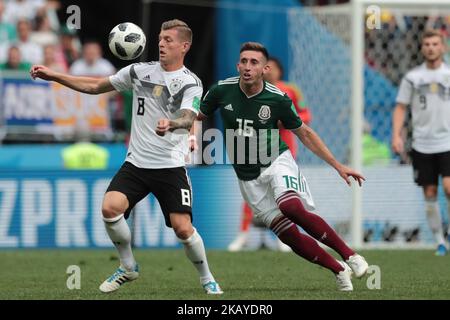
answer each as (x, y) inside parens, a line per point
(184, 122)
(313, 142)
(82, 84)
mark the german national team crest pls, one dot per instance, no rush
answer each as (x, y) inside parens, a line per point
(175, 86)
(447, 87)
(447, 81)
(264, 114)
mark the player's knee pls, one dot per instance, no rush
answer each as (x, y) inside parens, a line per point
(183, 232)
(290, 204)
(111, 209)
(114, 204)
(182, 225)
(430, 192)
(280, 225)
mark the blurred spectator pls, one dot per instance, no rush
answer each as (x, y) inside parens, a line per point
(384, 47)
(275, 76)
(31, 52)
(14, 61)
(17, 10)
(7, 30)
(50, 59)
(51, 8)
(85, 155)
(92, 64)
(7, 34)
(70, 46)
(44, 34)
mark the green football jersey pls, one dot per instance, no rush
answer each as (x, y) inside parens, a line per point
(251, 124)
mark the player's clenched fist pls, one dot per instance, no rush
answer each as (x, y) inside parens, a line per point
(163, 127)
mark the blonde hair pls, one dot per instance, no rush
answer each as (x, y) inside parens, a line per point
(183, 29)
(433, 33)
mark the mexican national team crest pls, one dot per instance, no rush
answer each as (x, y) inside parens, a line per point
(264, 114)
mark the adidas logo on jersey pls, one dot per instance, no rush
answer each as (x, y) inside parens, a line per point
(229, 107)
(147, 77)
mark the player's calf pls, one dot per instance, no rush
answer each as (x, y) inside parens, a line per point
(291, 206)
(303, 245)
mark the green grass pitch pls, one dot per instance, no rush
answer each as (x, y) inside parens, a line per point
(260, 275)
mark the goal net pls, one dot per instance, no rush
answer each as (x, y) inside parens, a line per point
(391, 211)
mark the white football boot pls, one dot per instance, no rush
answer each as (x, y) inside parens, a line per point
(344, 278)
(119, 277)
(283, 247)
(212, 287)
(239, 243)
(358, 264)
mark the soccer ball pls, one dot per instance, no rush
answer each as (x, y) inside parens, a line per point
(127, 41)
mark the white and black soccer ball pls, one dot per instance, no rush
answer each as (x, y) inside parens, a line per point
(127, 41)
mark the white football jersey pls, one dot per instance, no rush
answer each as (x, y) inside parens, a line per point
(427, 92)
(158, 94)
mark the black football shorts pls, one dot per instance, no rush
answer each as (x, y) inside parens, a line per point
(428, 167)
(170, 186)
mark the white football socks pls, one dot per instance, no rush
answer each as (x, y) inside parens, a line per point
(434, 219)
(195, 251)
(120, 235)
